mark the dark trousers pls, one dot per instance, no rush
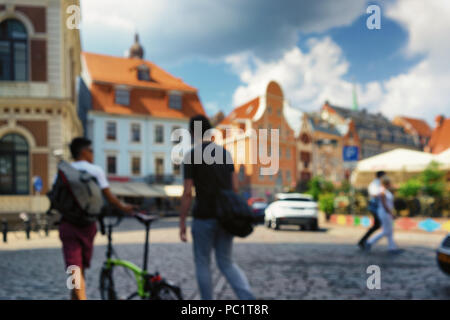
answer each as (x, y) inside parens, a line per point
(375, 227)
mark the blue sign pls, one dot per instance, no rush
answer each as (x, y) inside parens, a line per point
(350, 153)
(37, 183)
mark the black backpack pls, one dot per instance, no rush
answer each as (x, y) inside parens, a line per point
(76, 195)
(233, 213)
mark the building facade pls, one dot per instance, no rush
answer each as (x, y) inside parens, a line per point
(131, 107)
(264, 112)
(418, 128)
(376, 133)
(304, 153)
(39, 65)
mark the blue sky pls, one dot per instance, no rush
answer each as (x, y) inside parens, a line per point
(316, 50)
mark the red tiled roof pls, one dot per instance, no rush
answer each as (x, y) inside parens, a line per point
(107, 71)
(118, 70)
(143, 101)
(245, 111)
(440, 138)
(422, 128)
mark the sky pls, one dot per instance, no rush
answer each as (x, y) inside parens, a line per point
(317, 50)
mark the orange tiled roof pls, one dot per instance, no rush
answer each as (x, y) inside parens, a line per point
(422, 128)
(106, 71)
(143, 101)
(245, 111)
(440, 138)
(118, 70)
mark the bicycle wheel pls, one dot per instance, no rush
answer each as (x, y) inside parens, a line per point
(118, 283)
(165, 291)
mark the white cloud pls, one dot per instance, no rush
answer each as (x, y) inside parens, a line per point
(177, 29)
(307, 78)
(425, 89)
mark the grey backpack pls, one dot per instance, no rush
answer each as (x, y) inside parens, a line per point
(76, 195)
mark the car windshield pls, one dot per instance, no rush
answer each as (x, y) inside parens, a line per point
(296, 199)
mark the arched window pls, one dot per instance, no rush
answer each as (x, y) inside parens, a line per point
(13, 51)
(14, 165)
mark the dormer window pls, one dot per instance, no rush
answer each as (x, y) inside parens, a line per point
(143, 73)
(175, 100)
(122, 96)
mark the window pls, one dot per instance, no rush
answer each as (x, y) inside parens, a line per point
(143, 73)
(176, 169)
(159, 134)
(14, 165)
(288, 177)
(111, 131)
(175, 101)
(159, 166)
(179, 139)
(269, 110)
(122, 96)
(13, 51)
(111, 164)
(135, 132)
(288, 153)
(136, 166)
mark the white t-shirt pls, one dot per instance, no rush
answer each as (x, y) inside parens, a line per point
(94, 170)
(374, 188)
(389, 201)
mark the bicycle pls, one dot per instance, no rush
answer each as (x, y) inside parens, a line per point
(149, 286)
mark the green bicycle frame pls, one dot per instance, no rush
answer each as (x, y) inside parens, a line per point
(139, 274)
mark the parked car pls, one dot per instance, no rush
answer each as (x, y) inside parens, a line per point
(259, 208)
(443, 255)
(292, 209)
(252, 200)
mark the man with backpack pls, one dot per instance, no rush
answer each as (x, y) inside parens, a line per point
(78, 196)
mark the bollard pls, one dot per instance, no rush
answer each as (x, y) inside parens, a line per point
(5, 230)
(28, 228)
(46, 227)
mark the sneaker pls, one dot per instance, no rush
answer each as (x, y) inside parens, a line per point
(367, 247)
(396, 251)
(362, 246)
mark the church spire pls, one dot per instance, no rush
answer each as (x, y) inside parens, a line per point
(136, 50)
(355, 98)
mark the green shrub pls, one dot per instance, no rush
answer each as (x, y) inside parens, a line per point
(410, 188)
(326, 203)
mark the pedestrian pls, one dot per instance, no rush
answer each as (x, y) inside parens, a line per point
(207, 234)
(374, 192)
(386, 215)
(78, 242)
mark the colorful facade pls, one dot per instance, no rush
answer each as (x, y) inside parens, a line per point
(263, 112)
(38, 117)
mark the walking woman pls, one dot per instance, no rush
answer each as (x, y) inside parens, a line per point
(386, 216)
(208, 235)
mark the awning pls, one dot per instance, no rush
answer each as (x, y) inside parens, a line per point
(135, 190)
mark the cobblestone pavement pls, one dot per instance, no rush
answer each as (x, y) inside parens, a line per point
(286, 264)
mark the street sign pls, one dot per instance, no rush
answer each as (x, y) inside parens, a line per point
(37, 183)
(350, 153)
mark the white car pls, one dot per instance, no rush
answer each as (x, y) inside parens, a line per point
(292, 209)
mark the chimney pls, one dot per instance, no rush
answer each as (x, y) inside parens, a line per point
(439, 120)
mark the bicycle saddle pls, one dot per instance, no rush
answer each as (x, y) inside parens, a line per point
(144, 218)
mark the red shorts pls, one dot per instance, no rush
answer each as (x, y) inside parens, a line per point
(78, 244)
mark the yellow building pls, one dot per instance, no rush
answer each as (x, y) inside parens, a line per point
(38, 115)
